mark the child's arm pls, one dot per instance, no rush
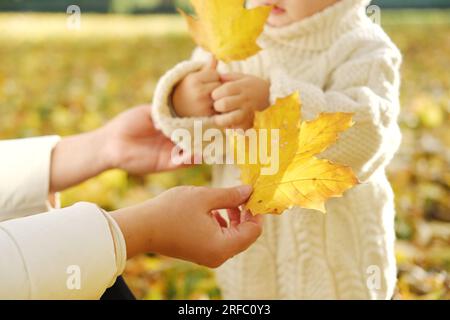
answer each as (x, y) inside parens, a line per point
(366, 84)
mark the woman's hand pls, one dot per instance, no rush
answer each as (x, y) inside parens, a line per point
(133, 144)
(129, 142)
(183, 223)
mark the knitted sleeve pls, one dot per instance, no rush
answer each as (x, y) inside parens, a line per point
(367, 84)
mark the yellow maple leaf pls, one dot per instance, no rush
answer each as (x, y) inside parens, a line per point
(226, 28)
(301, 179)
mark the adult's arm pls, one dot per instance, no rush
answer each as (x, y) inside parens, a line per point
(37, 251)
(25, 176)
(129, 142)
(32, 168)
(42, 255)
(71, 253)
(77, 252)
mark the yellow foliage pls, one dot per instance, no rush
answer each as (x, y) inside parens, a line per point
(226, 28)
(302, 179)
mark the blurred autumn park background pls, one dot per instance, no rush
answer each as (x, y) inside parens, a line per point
(54, 80)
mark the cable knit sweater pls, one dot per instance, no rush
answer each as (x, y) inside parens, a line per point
(339, 61)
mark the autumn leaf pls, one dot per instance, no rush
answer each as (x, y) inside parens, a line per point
(226, 28)
(302, 179)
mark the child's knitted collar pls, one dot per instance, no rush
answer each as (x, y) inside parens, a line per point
(320, 30)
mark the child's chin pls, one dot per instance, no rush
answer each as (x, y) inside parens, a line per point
(277, 22)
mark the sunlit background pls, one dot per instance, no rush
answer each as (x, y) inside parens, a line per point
(58, 80)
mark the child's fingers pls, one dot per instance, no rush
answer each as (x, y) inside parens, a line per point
(228, 104)
(227, 77)
(208, 88)
(212, 65)
(247, 124)
(209, 73)
(226, 90)
(207, 76)
(230, 119)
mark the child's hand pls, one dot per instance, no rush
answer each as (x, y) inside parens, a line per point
(238, 99)
(192, 96)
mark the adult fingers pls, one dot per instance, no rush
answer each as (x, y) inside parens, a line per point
(234, 215)
(223, 198)
(222, 222)
(243, 235)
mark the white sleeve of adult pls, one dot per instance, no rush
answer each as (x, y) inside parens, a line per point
(25, 176)
(71, 253)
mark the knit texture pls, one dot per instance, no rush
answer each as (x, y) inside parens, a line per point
(339, 61)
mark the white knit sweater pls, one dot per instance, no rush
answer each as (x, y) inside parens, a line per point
(339, 61)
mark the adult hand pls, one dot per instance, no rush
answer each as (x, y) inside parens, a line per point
(183, 223)
(129, 142)
(135, 145)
